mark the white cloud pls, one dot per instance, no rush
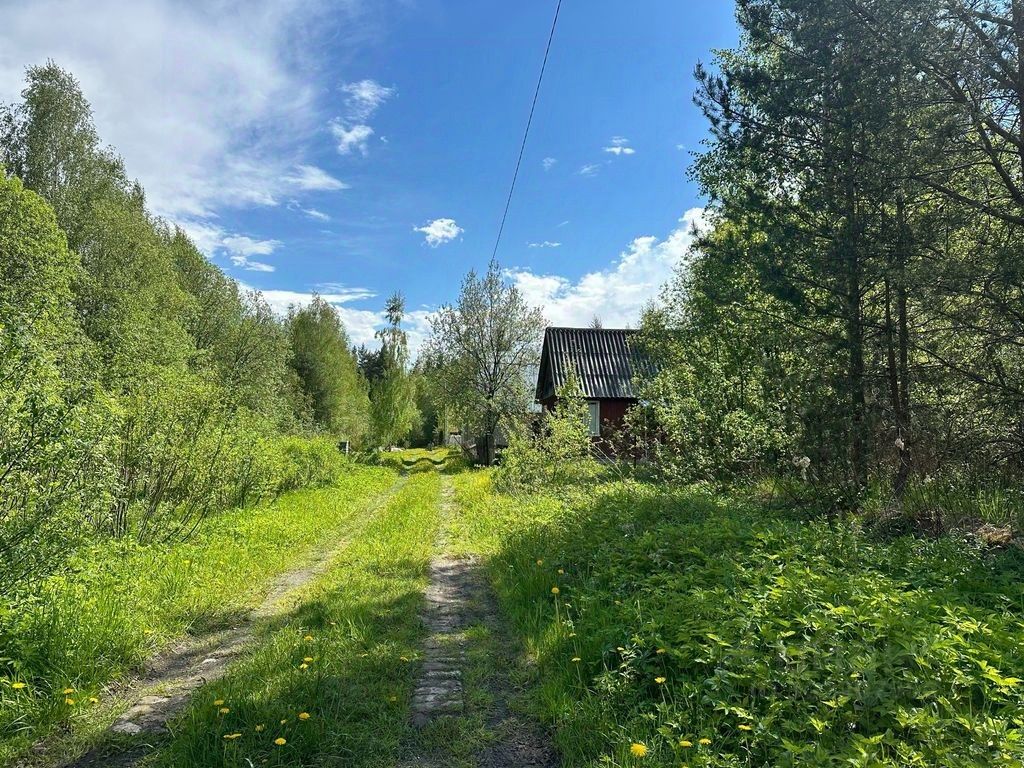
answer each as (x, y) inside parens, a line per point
(364, 98)
(619, 146)
(548, 163)
(545, 244)
(618, 293)
(313, 213)
(439, 231)
(311, 178)
(240, 248)
(208, 109)
(564, 223)
(590, 169)
(351, 139)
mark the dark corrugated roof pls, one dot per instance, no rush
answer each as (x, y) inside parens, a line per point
(605, 361)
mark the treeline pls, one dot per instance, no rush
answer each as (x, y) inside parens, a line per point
(856, 303)
(140, 387)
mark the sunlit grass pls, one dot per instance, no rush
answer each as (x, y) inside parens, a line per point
(346, 656)
(694, 630)
(118, 603)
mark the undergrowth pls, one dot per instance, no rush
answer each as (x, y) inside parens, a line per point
(674, 627)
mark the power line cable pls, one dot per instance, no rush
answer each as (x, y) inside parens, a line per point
(526, 133)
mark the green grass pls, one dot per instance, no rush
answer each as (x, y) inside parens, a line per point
(422, 460)
(779, 642)
(358, 626)
(118, 603)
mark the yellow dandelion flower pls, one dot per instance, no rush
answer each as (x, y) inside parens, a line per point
(224, 710)
(392, 698)
(218, 702)
(19, 686)
(403, 658)
(685, 743)
(259, 728)
(704, 742)
(746, 728)
(280, 742)
(660, 651)
(555, 590)
(69, 702)
(232, 735)
(284, 721)
(308, 658)
(659, 680)
(561, 571)
(308, 638)
(637, 749)
(540, 561)
(66, 691)
(576, 658)
(93, 700)
(304, 715)
(303, 665)
(572, 634)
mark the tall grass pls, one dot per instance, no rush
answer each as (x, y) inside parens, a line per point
(118, 602)
(689, 629)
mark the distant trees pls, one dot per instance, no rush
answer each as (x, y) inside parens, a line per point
(393, 410)
(482, 349)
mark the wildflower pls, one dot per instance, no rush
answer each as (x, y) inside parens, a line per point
(572, 634)
(746, 728)
(308, 658)
(303, 665)
(308, 638)
(280, 742)
(659, 680)
(392, 698)
(561, 571)
(685, 743)
(259, 728)
(284, 721)
(660, 651)
(93, 700)
(69, 702)
(636, 749)
(218, 702)
(66, 691)
(900, 445)
(232, 735)
(555, 590)
(403, 658)
(540, 561)
(224, 710)
(19, 686)
(704, 742)
(303, 715)
(620, 649)
(576, 659)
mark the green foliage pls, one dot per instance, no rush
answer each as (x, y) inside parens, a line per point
(552, 450)
(327, 371)
(393, 411)
(780, 642)
(119, 601)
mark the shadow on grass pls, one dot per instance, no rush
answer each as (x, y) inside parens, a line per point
(682, 609)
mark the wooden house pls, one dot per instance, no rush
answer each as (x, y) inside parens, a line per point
(606, 362)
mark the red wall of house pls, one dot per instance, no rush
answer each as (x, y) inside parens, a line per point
(613, 412)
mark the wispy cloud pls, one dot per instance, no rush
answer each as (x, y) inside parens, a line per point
(311, 178)
(619, 145)
(548, 163)
(225, 131)
(351, 139)
(364, 98)
(313, 213)
(544, 244)
(241, 248)
(439, 231)
(590, 169)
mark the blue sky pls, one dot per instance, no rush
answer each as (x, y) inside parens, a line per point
(356, 148)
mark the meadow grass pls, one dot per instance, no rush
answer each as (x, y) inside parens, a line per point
(345, 657)
(117, 603)
(672, 627)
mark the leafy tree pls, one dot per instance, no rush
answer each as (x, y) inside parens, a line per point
(482, 349)
(327, 371)
(393, 411)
